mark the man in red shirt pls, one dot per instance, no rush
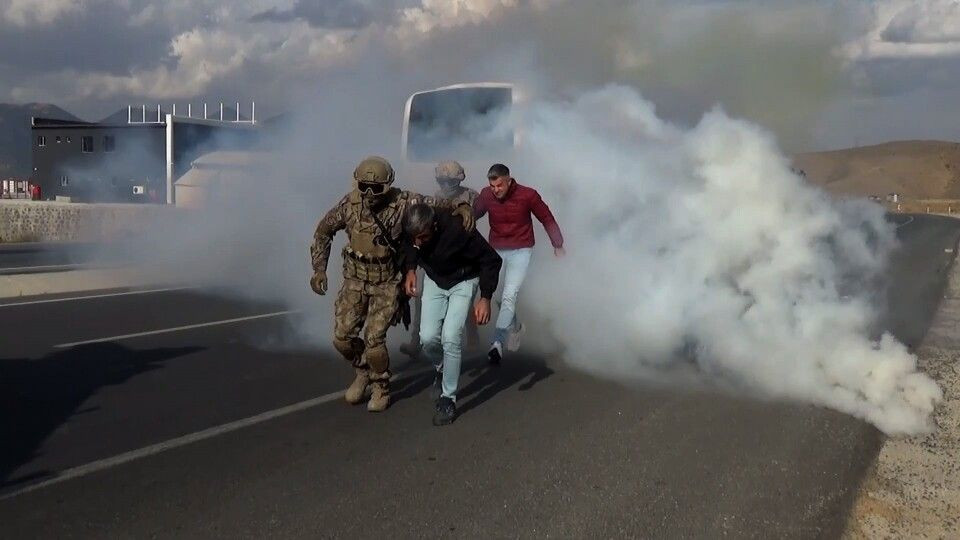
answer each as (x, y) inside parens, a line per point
(510, 206)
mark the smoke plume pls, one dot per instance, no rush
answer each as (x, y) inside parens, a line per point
(700, 249)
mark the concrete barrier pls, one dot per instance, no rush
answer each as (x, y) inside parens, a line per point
(47, 221)
(27, 285)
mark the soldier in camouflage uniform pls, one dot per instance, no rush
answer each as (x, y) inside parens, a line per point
(372, 215)
(449, 176)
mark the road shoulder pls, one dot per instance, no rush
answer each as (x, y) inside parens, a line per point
(73, 281)
(913, 488)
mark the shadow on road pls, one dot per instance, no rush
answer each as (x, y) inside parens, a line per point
(37, 396)
(488, 381)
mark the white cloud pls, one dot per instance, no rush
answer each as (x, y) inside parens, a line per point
(202, 57)
(34, 12)
(205, 55)
(910, 28)
(188, 48)
(933, 21)
(434, 14)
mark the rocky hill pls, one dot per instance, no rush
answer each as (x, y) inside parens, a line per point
(914, 169)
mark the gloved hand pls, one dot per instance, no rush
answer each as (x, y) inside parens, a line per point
(319, 283)
(465, 211)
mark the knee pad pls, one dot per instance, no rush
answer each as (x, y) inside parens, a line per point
(377, 358)
(350, 348)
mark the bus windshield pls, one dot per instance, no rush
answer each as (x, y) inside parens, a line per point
(470, 123)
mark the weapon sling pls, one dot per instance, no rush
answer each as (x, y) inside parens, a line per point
(403, 307)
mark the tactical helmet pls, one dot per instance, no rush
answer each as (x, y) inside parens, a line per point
(450, 170)
(373, 171)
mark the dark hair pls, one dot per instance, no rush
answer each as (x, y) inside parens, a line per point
(419, 219)
(497, 170)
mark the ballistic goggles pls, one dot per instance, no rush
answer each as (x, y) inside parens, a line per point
(371, 188)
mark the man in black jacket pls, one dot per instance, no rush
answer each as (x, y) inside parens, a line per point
(457, 264)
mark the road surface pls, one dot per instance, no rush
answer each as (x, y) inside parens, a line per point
(32, 257)
(179, 430)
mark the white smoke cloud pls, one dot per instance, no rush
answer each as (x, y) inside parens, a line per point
(700, 246)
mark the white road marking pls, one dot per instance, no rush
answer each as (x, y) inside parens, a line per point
(89, 297)
(905, 223)
(133, 455)
(39, 267)
(175, 329)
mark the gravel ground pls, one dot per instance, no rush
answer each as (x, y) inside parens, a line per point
(913, 490)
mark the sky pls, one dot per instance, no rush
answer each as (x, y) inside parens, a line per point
(819, 74)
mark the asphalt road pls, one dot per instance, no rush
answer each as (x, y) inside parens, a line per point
(538, 451)
(29, 257)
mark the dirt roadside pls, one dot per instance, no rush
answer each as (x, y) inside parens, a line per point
(913, 488)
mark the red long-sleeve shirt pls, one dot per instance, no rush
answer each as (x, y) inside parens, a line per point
(511, 226)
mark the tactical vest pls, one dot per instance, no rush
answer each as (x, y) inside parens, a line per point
(367, 255)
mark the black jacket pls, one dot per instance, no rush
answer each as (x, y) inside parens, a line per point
(454, 255)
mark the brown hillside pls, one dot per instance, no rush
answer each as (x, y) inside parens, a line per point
(914, 169)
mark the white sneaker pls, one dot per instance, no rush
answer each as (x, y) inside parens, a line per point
(513, 340)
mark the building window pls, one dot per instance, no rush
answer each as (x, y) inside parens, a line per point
(109, 143)
(58, 140)
(64, 181)
(41, 140)
(86, 144)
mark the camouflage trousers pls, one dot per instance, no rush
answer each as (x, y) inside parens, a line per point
(370, 307)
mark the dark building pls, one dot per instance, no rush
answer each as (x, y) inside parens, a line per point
(132, 156)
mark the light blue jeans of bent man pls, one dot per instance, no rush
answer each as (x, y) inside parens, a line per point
(442, 317)
(515, 264)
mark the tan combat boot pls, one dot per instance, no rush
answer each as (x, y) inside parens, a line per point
(380, 399)
(357, 390)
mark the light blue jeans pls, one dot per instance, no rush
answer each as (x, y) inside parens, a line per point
(515, 263)
(442, 317)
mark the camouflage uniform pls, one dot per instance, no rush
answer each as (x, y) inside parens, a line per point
(449, 175)
(457, 195)
(371, 281)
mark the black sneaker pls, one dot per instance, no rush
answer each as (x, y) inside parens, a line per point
(437, 387)
(495, 354)
(446, 412)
